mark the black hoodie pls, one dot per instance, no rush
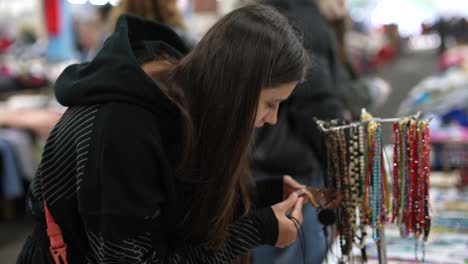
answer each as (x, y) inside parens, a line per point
(107, 172)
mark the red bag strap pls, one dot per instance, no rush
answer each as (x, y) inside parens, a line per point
(58, 248)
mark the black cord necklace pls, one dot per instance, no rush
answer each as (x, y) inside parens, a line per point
(300, 232)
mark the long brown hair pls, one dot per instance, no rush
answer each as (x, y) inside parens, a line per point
(217, 88)
(163, 11)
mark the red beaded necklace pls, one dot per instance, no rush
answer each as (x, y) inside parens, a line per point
(396, 171)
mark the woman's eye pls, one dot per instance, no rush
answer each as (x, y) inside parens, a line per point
(272, 106)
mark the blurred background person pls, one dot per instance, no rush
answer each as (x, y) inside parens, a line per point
(293, 146)
(354, 91)
(91, 29)
(163, 11)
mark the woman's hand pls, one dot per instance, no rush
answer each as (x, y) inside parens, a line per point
(290, 185)
(284, 212)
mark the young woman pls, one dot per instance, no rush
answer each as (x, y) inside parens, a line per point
(149, 163)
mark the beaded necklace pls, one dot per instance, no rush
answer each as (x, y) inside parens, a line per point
(367, 179)
(418, 181)
(404, 175)
(362, 181)
(424, 218)
(385, 185)
(346, 186)
(427, 171)
(328, 180)
(412, 176)
(335, 161)
(377, 182)
(396, 171)
(354, 173)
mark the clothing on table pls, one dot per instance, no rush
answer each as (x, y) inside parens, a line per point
(24, 148)
(17, 155)
(7, 83)
(107, 172)
(12, 186)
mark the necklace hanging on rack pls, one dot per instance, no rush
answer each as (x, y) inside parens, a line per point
(418, 181)
(346, 187)
(328, 216)
(354, 173)
(423, 209)
(404, 177)
(396, 171)
(335, 161)
(328, 180)
(427, 171)
(361, 188)
(418, 184)
(367, 199)
(385, 201)
(376, 147)
(412, 176)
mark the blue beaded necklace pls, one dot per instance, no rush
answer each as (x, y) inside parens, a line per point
(376, 181)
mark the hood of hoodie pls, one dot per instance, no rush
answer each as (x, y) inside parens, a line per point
(115, 74)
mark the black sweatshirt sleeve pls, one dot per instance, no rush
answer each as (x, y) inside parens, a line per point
(112, 241)
(130, 219)
(244, 234)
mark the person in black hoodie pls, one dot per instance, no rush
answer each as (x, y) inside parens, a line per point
(295, 145)
(149, 164)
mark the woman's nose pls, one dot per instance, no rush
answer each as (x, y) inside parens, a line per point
(272, 118)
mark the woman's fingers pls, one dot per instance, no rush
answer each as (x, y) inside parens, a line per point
(287, 232)
(287, 204)
(290, 185)
(288, 180)
(287, 229)
(297, 210)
